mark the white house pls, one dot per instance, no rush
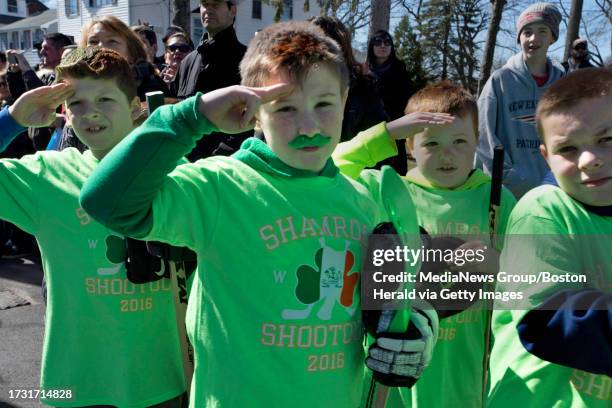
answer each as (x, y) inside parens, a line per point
(24, 33)
(12, 10)
(252, 15)
(26, 27)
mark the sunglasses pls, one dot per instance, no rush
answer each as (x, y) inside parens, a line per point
(381, 41)
(580, 47)
(178, 47)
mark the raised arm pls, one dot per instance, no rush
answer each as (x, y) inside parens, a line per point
(121, 191)
(32, 109)
(378, 142)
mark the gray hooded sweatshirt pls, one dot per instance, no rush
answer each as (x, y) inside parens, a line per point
(506, 115)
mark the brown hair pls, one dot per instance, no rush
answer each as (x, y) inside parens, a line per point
(136, 48)
(98, 63)
(445, 97)
(182, 36)
(292, 48)
(147, 31)
(569, 91)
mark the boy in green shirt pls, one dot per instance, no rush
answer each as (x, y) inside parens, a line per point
(278, 231)
(451, 198)
(107, 340)
(557, 350)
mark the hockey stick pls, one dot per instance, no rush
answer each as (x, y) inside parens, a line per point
(494, 203)
(178, 281)
(401, 212)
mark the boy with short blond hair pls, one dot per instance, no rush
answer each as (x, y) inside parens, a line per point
(507, 103)
(556, 350)
(451, 198)
(107, 341)
(278, 231)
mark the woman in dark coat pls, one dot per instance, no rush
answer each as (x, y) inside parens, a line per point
(394, 84)
(364, 107)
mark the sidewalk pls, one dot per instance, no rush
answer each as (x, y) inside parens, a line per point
(21, 330)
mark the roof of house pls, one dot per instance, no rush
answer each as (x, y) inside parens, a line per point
(38, 3)
(36, 21)
(4, 19)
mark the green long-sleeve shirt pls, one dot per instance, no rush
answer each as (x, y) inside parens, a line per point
(107, 340)
(274, 311)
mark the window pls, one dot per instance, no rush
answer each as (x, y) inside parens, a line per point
(26, 40)
(256, 9)
(14, 44)
(4, 41)
(100, 3)
(12, 6)
(72, 7)
(38, 36)
(196, 29)
(287, 10)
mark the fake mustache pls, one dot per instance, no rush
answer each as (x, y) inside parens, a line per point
(303, 141)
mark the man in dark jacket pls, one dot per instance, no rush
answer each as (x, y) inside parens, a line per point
(579, 56)
(212, 65)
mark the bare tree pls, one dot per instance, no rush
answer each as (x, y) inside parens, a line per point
(181, 15)
(573, 27)
(381, 13)
(497, 8)
(355, 14)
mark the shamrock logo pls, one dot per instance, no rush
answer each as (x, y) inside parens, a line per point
(329, 281)
(116, 253)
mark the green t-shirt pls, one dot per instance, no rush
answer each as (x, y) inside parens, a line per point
(107, 340)
(518, 377)
(274, 312)
(455, 372)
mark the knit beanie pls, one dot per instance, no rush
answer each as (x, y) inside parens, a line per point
(544, 13)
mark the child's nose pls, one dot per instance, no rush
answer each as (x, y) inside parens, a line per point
(93, 113)
(308, 125)
(446, 151)
(589, 160)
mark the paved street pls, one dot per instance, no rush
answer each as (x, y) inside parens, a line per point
(21, 330)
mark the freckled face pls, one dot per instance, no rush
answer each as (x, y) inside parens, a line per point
(445, 154)
(315, 107)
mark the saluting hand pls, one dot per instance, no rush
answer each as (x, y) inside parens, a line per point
(233, 109)
(36, 108)
(416, 122)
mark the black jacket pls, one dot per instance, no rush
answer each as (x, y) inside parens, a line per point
(585, 63)
(396, 87)
(364, 107)
(213, 65)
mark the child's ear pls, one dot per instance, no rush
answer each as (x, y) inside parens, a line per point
(135, 109)
(543, 151)
(410, 144)
(68, 116)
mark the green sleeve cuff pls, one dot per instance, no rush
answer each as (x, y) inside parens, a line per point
(364, 150)
(186, 115)
(378, 142)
